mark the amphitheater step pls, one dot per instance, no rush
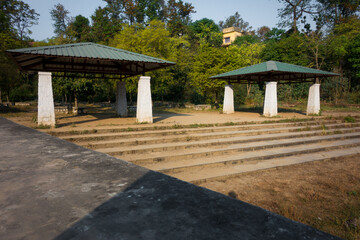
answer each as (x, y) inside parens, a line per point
(199, 153)
(161, 152)
(226, 173)
(137, 142)
(200, 164)
(95, 135)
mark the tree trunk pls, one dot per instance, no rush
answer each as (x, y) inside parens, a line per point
(75, 100)
(0, 97)
(248, 89)
(294, 24)
(70, 102)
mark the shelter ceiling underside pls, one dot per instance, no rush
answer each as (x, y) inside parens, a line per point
(280, 77)
(31, 62)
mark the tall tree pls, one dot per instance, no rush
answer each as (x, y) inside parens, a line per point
(61, 19)
(262, 31)
(178, 16)
(104, 25)
(294, 10)
(335, 11)
(23, 18)
(80, 28)
(156, 10)
(17, 17)
(206, 30)
(235, 21)
(354, 60)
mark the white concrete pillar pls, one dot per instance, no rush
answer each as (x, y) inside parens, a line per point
(313, 106)
(228, 106)
(270, 102)
(46, 110)
(144, 104)
(121, 102)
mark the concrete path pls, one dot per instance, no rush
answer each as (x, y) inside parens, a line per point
(53, 189)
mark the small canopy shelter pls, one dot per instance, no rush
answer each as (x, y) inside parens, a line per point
(271, 73)
(88, 58)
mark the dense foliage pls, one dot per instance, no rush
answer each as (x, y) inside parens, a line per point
(164, 29)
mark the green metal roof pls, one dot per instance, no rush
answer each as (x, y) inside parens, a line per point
(273, 71)
(85, 57)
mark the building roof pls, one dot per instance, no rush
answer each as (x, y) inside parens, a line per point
(85, 58)
(273, 71)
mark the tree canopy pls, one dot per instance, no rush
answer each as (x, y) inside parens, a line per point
(165, 29)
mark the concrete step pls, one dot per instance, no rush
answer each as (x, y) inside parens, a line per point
(201, 164)
(140, 128)
(161, 150)
(224, 173)
(124, 142)
(96, 136)
(206, 152)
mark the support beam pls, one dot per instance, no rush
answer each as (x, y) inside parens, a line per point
(270, 102)
(228, 106)
(121, 102)
(313, 106)
(144, 104)
(46, 111)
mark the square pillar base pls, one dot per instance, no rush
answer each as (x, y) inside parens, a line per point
(144, 103)
(270, 102)
(46, 110)
(313, 106)
(228, 106)
(121, 101)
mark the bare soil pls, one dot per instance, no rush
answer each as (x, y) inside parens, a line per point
(324, 194)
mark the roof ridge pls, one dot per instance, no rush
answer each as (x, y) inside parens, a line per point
(126, 51)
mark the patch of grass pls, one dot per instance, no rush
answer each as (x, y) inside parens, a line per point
(229, 124)
(43, 127)
(349, 119)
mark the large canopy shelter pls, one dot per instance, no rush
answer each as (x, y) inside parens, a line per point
(93, 61)
(271, 73)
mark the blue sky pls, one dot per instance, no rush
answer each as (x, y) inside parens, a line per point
(257, 12)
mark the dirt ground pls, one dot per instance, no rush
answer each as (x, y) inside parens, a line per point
(324, 194)
(105, 118)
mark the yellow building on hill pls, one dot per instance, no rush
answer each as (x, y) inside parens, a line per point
(231, 33)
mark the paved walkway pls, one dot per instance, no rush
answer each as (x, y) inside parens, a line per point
(53, 189)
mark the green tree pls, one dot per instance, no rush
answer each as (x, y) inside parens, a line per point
(292, 49)
(235, 21)
(154, 40)
(80, 29)
(262, 32)
(156, 10)
(178, 16)
(16, 18)
(104, 25)
(274, 35)
(23, 18)
(334, 12)
(354, 59)
(210, 61)
(246, 39)
(206, 30)
(61, 19)
(293, 11)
